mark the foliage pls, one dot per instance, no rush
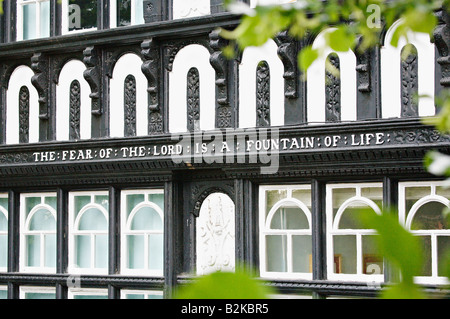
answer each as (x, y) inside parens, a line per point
(225, 285)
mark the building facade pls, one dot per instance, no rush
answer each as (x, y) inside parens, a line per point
(135, 156)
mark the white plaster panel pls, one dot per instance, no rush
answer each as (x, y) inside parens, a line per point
(251, 57)
(192, 8)
(129, 63)
(21, 76)
(316, 83)
(72, 70)
(391, 73)
(197, 56)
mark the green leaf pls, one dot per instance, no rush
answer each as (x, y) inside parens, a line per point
(341, 39)
(225, 285)
(306, 57)
(420, 20)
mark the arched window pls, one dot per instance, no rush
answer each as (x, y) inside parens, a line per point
(38, 236)
(285, 232)
(351, 251)
(88, 242)
(3, 232)
(421, 209)
(142, 232)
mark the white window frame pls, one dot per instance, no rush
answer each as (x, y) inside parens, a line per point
(4, 288)
(20, 5)
(332, 230)
(2, 233)
(113, 13)
(264, 227)
(125, 231)
(73, 231)
(24, 226)
(73, 292)
(146, 293)
(29, 289)
(65, 20)
(406, 220)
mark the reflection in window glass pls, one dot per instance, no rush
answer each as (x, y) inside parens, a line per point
(421, 209)
(82, 14)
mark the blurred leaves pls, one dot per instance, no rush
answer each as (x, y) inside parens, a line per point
(225, 285)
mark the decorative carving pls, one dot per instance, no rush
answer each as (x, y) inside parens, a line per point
(170, 51)
(363, 68)
(287, 51)
(442, 41)
(220, 64)
(193, 100)
(40, 80)
(420, 136)
(74, 110)
(24, 114)
(332, 90)
(150, 68)
(129, 106)
(216, 234)
(262, 94)
(153, 10)
(410, 82)
(93, 76)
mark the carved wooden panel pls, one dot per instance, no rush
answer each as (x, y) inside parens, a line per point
(332, 90)
(24, 114)
(193, 100)
(263, 94)
(216, 234)
(409, 82)
(129, 101)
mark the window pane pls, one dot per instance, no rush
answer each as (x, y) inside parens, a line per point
(30, 203)
(80, 202)
(93, 219)
(301, 251)
(426, 247)
(40, 295)
(3, 222)
(413, 194)
(50, 201)
(3, 251)
(158, 199)
(303, 195)
(146, 218)
(42, 220)
(3, 294)
(29, 21)
(352, 216)
(101, 251)
(443, 243)
(429, 216)
(276, 247)
(123, 12)
(82, 14)
(289, 218)
(133, 200)
(272, 197)
(33, 250)
(372, 261)
(4, 203)
(135, 251)
(102, 200)
(340, 195)
(139, 12)
(45, 19)
(155, 254)
(345, 251)
(83, 251)
(50, 250)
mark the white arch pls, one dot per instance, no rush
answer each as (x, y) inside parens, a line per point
(143, 205)
(21, 76)
(33, 211)
(129, 63)
(350, 201)
(391, 74)
(193, 55)
(83, 211)
(423, 201)
(251, 57)
(281, 203)
(72, 70)
(316, 83)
